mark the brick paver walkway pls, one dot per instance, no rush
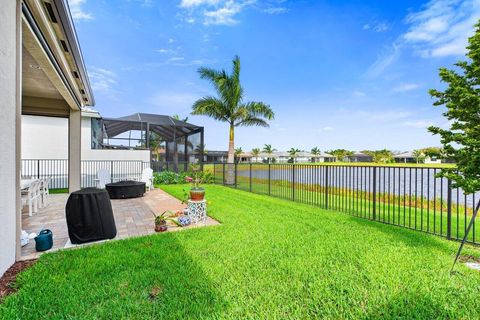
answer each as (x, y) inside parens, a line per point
(133, 217)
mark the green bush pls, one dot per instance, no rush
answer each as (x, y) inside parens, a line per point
(170, 177)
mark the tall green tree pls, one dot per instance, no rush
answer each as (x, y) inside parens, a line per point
(229, 105)
(461, 140)
(293, 152)
(268, 149)
(255, 153)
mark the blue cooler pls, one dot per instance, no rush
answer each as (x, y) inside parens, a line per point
(44, 240)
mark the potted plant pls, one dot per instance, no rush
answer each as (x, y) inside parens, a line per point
(161, 221)
(197, 193)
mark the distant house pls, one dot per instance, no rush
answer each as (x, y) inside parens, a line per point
(323, 157)
(216, 156)
(244, 157)
(405, 157)
(358, 157)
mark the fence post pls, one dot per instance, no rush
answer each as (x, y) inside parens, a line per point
(293, 182)
(38, 169)
(449, 209)
(326, 186)
(269, 181)
(223, 175)
(111, 170)
(374, 193)
(214, 176)
(250, 177)
(235, 168)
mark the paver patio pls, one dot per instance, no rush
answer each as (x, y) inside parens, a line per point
(133, 217)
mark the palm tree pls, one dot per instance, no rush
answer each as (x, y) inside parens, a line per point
(177, 117)
(269, 150)
(237, 152)
(256, 153)
(229, 105)
(316, 152)
(418, 155)
(293, 153)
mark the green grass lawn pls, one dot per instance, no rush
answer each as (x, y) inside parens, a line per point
(270, 259)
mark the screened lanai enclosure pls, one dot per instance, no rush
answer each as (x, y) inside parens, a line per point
(173, 143)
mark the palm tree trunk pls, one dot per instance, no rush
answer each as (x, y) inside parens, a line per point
(231, 156)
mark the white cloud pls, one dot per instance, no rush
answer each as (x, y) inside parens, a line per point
(77, 11)
(384, 60)
(376, 27)
(102, 79)
(224, 15)
(275, 10)
(417, 124)
(166, 51)
(327, 128)
(358, 93)
(197, 3)
(225, 12)
(442, 27)
(403, 87)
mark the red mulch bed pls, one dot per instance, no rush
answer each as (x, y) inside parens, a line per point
(8, 278)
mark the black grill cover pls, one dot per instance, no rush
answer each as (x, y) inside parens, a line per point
(89, 216)
(125, 189)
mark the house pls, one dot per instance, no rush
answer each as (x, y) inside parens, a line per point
(41, 74)
(358, 157)
(215, 156)
(405, 157)
(323, 157)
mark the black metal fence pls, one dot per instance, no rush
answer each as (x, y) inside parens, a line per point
(57, 170)
(411, 197)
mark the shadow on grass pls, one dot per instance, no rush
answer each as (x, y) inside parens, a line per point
(411, 238)
(147, 277)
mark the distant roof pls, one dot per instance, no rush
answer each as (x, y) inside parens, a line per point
(407, 154)
(163, 125)
(359, 154)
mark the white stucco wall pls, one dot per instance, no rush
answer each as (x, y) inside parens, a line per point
(8, 117)
(47, 138)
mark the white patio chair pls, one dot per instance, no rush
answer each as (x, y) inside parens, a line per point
(45, 191)
(147, 177)
(103, 177)
(32, 197)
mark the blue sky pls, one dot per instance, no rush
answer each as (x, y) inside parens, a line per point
(338, 74)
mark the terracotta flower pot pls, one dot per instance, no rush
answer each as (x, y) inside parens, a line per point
(197, 194)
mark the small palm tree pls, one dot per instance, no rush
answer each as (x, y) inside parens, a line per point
(237, 152)
(229, 105)
(268, 149)
(256, 153)
(316, 152)
(418, 155)
(293, 153)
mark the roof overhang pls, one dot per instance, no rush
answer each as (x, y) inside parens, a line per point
(50, 40)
